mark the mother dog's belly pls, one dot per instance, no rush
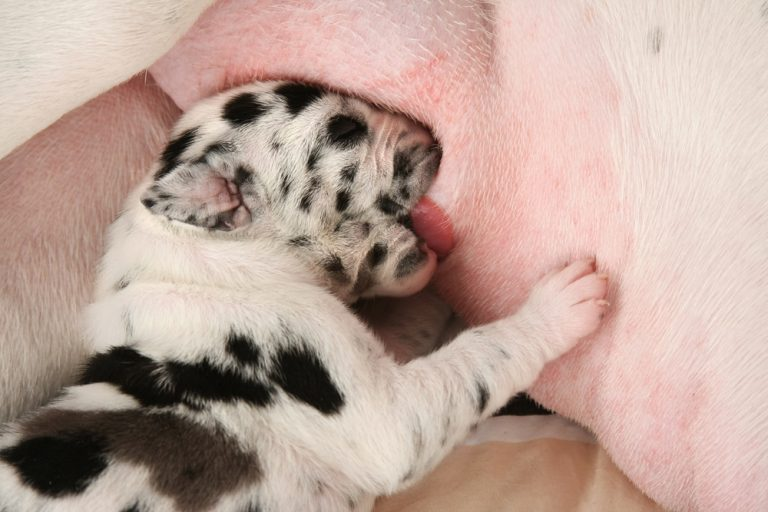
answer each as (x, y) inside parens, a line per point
(646, 144)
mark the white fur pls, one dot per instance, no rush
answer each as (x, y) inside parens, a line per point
(56, 56)
(96, 396)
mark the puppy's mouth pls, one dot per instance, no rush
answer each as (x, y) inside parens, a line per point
(431, 224)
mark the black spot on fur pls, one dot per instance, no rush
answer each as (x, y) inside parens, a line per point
(362, 281)
(285, 185)
(376, 254)
(203, 380)
(163, 384)
(148, 202)
(300, 241)
(345, 131)
(301, 374)
(253, 507)
(58, 465)
(349, 172)
(482, 396)
(172, 154)
(132, 508)
(405, 220)
(386, 205)
(298, 96)
(122, 283)
(306, 201)
(404, 193)
(133, 373)
(334, 266)
(242, 174)
(243, 349)
(342, 200)
(655, 38)
(243, 109)
(522, 405)
(402, 166)
(309, 194)
(312, 159)
(410, 262)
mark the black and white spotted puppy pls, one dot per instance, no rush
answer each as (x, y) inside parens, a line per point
(229, 373)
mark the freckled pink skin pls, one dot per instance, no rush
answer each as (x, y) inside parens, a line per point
(565, 134)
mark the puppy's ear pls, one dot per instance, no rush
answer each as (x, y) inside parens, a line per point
(224, 196)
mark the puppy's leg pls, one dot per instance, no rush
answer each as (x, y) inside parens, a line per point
(454, 388)
(401, 420)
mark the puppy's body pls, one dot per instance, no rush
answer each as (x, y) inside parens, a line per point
(229, 373)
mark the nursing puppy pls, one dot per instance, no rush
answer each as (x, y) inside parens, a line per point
(229, 372)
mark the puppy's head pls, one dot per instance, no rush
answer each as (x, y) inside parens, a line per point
(330, 176)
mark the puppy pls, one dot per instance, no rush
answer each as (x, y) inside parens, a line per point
(229, 372)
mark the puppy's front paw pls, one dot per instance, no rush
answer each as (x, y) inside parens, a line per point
(568, 304)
